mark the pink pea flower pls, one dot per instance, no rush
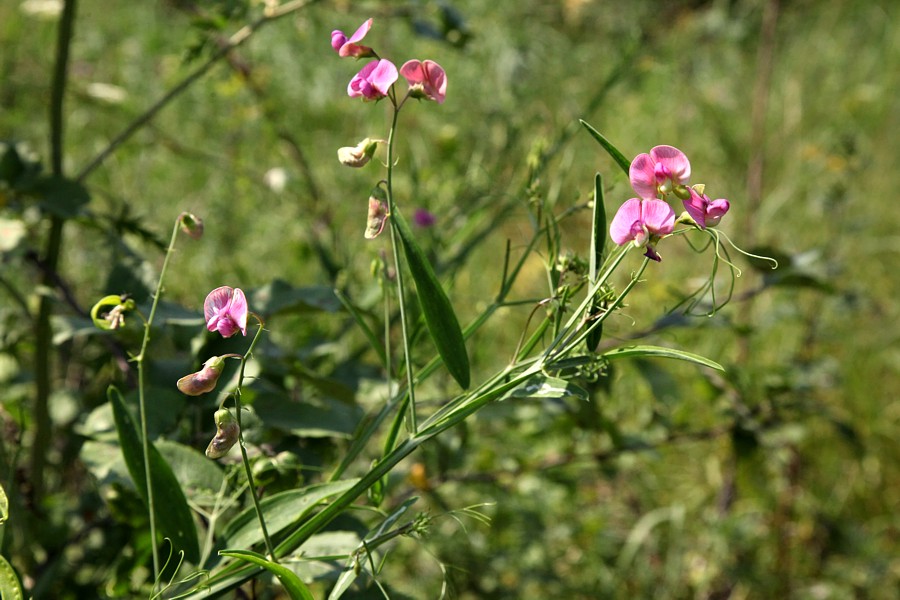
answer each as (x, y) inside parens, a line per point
(426, 80)
(226, 311)
(664, 170)
(373, 81)
(705, 212)
(642, 222)
(345, 46)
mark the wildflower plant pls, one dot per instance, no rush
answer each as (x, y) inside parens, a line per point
(560, 345)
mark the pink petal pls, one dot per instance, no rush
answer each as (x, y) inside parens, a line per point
(383, 76)
(361, 32)
(239, 310)
(658, 217)
(674, 161)
(621, 228)
(716, 210)
(437, 81)
(696, 207)
(359, 85)
(642, 176)
(413, 72)
(215, 301)
(338, 39)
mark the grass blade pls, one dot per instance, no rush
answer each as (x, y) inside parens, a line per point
(617, 156)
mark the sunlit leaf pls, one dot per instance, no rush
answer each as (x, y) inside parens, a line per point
(292, 584)
(439, 316)
(10, 589)
(4, 506)
(661, 352)
(544, 386)
(173, 516)
(617, 156)
(280, 511)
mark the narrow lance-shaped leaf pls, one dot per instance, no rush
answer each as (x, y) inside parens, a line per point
(171, 508)
(661, 352)
(617, 156)
(439, 316)
(9, 582)
(598, 243)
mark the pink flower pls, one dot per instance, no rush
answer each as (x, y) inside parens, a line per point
(705, 212)
(664, 170)
(423, 218)
(426, 80)
(373, 81)
(226, 311)
(642, 222)
(345, 46)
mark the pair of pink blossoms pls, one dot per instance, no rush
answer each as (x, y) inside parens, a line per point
(426, 78)
(644, 220)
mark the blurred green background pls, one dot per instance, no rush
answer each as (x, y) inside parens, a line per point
(780, 479)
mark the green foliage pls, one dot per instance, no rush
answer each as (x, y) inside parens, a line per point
(769, 469)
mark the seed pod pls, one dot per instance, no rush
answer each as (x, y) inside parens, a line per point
(227, 434)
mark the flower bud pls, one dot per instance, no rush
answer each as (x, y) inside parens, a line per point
(378, 214)
(191, 225)
(227, 434)
(359, 155)
(204, 380)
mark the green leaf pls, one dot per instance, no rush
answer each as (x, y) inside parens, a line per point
(60, 196)
(439, 316)
(598, 242)
(10, 589)
(661, 352)
(173, 516)
(295, 588)
(543, 387)
(617, 156)
(4, 506)
(323, 417)
(280, 510)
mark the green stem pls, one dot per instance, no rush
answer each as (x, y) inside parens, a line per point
(139, 359)
(398, 266)
(237, 409)
(43, 332)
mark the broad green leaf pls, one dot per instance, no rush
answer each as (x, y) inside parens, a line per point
(598, 242)
(173, 516)
(295, 588)
(617, 156)
(661, 352)
(439, 316)
(196, 473)
(9, 582)
(280, 511)
(544, 386)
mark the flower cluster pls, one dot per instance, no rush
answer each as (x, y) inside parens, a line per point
(374, 81)
(648, 218)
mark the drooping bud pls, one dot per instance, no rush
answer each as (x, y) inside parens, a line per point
(227, 434)
(191, 225)
(204, 380)
(359, 155)
(378, 214)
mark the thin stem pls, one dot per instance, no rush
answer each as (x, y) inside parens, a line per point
(270, 548)
(43, 332)
(401, 288)
(139, 359)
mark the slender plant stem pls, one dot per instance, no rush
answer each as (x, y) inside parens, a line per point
(43, 332)
(401, 288)
(237, 409)
(140, 359)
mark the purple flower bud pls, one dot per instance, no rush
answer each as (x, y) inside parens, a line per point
(204, 380)
(227, 434)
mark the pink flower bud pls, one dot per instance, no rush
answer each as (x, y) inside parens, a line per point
(347, 46)
(227, 434)
(378, 215)
(191, 225)
(359, 155)
(204, 380)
